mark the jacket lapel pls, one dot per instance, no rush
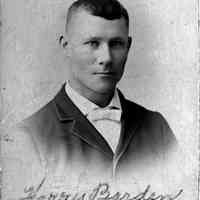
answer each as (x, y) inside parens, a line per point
(132, 117)
(73, 121)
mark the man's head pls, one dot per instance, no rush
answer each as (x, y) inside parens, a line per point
(107, 9)
(97, 45)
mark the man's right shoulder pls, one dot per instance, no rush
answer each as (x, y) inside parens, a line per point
(40, 118)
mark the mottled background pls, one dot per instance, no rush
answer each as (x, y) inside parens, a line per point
(161, 72)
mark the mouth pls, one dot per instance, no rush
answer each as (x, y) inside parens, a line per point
(105, 73)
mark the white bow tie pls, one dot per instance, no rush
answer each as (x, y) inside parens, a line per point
(110, 113)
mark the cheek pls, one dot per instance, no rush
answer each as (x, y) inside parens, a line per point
(82, 57)
(120, 58)
(120, 53)
(82, 64)
(83, 61)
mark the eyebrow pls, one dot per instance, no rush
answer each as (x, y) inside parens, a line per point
(100, 38)
(92, 38)
(118, 38)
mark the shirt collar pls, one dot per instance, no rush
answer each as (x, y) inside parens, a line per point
(86, 105)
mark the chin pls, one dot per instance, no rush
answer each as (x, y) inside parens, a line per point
(106, 89)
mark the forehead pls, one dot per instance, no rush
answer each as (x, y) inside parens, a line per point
(83, 23)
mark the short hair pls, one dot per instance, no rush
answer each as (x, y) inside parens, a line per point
(108, 9)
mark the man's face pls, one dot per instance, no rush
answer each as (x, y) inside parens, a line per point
(97, 50)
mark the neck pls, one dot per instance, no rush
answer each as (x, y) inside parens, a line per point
(100, 99)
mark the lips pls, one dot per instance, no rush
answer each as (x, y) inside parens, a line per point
(105, 73)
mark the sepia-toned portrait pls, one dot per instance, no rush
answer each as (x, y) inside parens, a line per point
(99, 100)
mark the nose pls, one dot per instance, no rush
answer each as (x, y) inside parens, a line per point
(104, 55)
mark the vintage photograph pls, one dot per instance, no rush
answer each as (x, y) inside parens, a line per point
(99, 100)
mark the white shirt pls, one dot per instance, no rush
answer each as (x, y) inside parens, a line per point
(109, 129)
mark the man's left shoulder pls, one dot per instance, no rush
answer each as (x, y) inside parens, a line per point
(149, 116)
(152, 125)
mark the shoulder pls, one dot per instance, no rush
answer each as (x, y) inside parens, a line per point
(152, 125)
(38, 122)
(150, 117)
(42, 114)
(147, 115)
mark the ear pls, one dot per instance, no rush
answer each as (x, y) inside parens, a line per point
(62, 41)
(129, 42)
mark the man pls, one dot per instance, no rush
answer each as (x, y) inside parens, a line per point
(90, 131)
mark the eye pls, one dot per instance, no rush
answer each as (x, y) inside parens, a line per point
(117, 44)
(93, 43)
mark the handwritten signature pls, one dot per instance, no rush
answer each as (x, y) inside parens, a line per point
(101, 192)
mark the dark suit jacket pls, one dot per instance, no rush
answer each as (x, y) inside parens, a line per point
(60, 131)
